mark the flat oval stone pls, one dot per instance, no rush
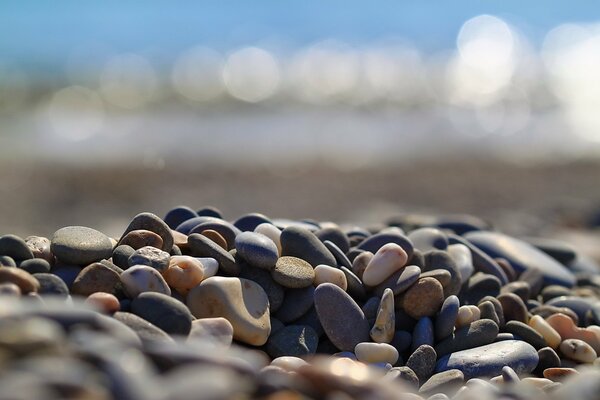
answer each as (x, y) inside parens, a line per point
(547, 359)
(201, 246)
(325, 273)
(141, 278)
(177, 215)
(426, 239)
(215, 237)
(302, 243)
(526, 333)
(463, 259)
(293, 272)
(372, 353)
(335, 235)
(147, 331)
(257, 250)
(242, 302)
(223, 228)
(386, 261)
(293, 340)
(513, 307)
(24, 280)
(355, 288)
(94, 278)
(342, 319)
(216, 330)
(249, 222)
(374, 242)
(151, 222)
(551, 337)
(80, 245)
(167, 313)
(51, 285)
(15, 247)
(35, 265)
(578, 350)
(297, 302)
(446, 318)
(522, 256)
(340, 256)
(422, 362)
(559, 374)
(478, 333)
(424, 298)
(488, 360)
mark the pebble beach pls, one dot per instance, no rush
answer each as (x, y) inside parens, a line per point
(192, 305)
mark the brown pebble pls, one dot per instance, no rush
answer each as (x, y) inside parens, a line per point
(23, 279)
(215, 237)
(180, 240)
(9, 289)
(424, 298)
(141, 238)
(96, 277)
(106, 302)
(40, 247)
(559, 374)
(513, 307)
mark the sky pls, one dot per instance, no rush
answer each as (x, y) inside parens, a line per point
(44, 33)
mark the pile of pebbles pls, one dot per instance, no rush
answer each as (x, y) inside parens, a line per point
(193, 306)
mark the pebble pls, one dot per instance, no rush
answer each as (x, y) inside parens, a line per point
(513, 307)
(141, 238)
(272, 232)
(481, 261)
(385, 325)
(441, 275)
(15, 247)
(342, 319)
(443, 382)
(487, 310)
(293, 340)
(297, 302)
(302, 243)
(151, 222)
(141, 278)
(177, 215)
(257, 250)
(526, 333)
(94, 278)
(106, 302)
(215, 237)
(146, 331)
(335, 235)
(242, 302)
(23, 279)
(80, 245)
(438, 259)
(479, 333)
(201, 246)
(488, 360)
(547, 359)
(40, 247)
(567, 329)
(374, 242)
(461, 255)
(275, 292)
(372, 353)
(427, 238)
(559, 374)
(422, 333)
(404, 375)
(479, 286)
(35, 265)
(579, 305)
(550, 335)
(185, 272)
(223, 228)
(249, 222)
(150, 256)
(10, 289)
(7, 261)
(340, 256)
(577, 350)
(292, 272)
(522, 256)
(325, 273)
(424, 298)
(520, 288)
(216, 330)
(51, 285)
(167, 313)
(446, 318)
(422, 362)
(387, 260)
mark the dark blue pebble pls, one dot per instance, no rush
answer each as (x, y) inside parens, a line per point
(170, 315)
(340, 256)
(296, 303)
(376, 241)
(250, 221)
(66, 272)
(335, 235)
(302, 243)
(402, 341)
(446, 318)
(35, 265)
(15, 247)
(423, 333)
(177, 215)
(7, 261)
(51, 285)
(209, 212)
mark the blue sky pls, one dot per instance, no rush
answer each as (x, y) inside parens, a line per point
(45, 32)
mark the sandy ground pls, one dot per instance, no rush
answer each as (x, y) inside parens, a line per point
(40, 198)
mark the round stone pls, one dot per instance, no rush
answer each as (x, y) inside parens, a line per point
(257, 250)
(293, 340)
(478, 333)
(80, 245)
(150, 256)
(141, 238)
(422, 361)
(40, 247)
(373, 353)
(272, 232)
(178, 215)
(293, 272)
(297, 302)
(424, 298)
(387, 260)
(185, 272)
(121, 254)
(151, 222)
(578, 350)
(216, 330)
(51, 285)
(141, 278)
(15, 247)
(167, 313)
(325, 273)
(94, 278)
(105, 302)
(242, 302)
(201, 246)
(342, 319)
(23, 279)
(443, 382)
(35, 265)
(302, 243)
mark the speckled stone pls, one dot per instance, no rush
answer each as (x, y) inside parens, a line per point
(424, 298)
(216, 330)
(24, 280)
(15, 247)
(257, 250)
(80, 245)
(293, 272)
(341, 318)
(488, 360)
(293, 340)
(201, 246)
(150, 256)
(446, 318)
(141, 278)
(94, 278)
(478, 333)
(242, 302)
(422, 362)
(40, 247)
(302, 243)
(151, 222)
(167, 313)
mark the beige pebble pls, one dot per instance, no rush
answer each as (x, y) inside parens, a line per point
(325, 273)
(106, 302)
(9, 289)
(577, 350)
(241, 301)
(360, 263)
(40, 247)
(475, 312)
(559, 374)
(288, 363)
(272, 232)
(385, 325)
(549, 334)
(185, 272)
(497, 380)
(567, 329)
(387, 260)
(23, 279)
(376, 353)
(465, 316)
(537, 382)
(218, 331)
(142, 278)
